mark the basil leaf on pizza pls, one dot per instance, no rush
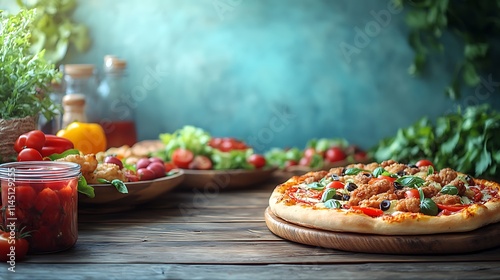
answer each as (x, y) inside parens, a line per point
(387, 198)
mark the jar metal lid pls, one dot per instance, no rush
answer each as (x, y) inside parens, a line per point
(39, 170)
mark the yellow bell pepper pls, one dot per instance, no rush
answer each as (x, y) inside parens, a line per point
(88, 138)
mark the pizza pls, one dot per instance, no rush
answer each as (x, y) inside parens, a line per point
(387, 198)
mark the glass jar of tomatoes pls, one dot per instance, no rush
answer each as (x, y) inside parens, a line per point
(40, 197)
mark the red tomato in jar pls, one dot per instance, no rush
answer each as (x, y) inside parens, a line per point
(257, 160)
(334, 154)
(182, 158)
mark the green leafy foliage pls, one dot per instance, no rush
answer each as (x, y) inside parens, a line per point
(465, 141)
(54, 30)
(475, 23)
(197, 141)
(24, 76)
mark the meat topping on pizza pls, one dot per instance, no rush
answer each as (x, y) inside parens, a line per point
(389, 188)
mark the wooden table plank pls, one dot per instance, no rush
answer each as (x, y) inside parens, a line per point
(383, 271)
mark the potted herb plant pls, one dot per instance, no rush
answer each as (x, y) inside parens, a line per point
(25, 77)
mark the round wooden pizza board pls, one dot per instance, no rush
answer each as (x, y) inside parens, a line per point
(449, 243)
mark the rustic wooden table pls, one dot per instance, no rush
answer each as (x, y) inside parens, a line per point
(190, 234)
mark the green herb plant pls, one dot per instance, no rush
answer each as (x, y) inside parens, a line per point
(475, 23)
(465, 141)
(24, 76)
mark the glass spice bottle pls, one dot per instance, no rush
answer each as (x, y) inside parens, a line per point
(116, 115)
(82, 79)
(74, 109)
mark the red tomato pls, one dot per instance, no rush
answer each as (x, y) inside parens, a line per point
(305, 161)
(169, 166)
(424, 162)
(34, 139)
(19, 243)
(309, 152)
(388, 178)
(47, 197)
(290, 162)
(452, 208)
(257, 160)
(370, 211)
(360, 156)
(25, 196)
(413, 193)
(334, 154)
(200, 163)
(335, 185)
(182, 158)
(29, 154)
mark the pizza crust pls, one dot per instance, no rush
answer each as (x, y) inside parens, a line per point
(337, 220)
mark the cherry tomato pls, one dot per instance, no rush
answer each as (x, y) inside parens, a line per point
(145, 174)
(334, 154)
(424, 162)
(305, 161)
(290, 162)
(201, 163)
(19, 244)
(113, 160)
(257, 160)
(157, 168)
(413, 193)
(388, 178)
(335, 185)
(29, 154)
(360, 156)
(370, 211)
(169, 166)
(46, 198)
(182, 158)
(34, 139)
(309, 153)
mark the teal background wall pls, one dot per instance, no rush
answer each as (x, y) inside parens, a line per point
(275, 73)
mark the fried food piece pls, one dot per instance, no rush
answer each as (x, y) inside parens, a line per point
(88, 162)
(107, 171)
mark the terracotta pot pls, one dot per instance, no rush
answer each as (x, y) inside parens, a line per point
(10, 131)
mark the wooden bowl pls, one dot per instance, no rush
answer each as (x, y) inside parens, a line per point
(107, 199)
(215, 180)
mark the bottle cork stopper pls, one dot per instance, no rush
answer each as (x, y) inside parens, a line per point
(74, 100)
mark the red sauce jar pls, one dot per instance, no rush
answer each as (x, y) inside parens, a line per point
(40, 197)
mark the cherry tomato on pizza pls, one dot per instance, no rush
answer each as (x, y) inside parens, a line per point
(424, 162)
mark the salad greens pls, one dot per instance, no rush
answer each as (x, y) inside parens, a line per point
(465, 141)
(197, 141)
